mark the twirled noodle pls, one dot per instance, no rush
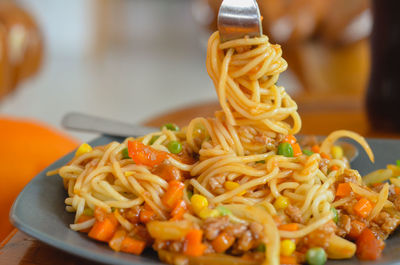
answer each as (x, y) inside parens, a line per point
(232, 159)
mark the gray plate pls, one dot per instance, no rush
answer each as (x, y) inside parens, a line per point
(40, 212)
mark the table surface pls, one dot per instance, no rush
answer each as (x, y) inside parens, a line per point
(320, 116)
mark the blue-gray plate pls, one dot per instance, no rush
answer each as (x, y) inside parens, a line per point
(39, 211)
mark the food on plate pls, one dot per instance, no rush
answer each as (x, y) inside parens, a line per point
(236, 188)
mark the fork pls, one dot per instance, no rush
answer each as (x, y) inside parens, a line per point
(239, 18)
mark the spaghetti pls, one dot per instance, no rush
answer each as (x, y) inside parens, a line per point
(235, 187)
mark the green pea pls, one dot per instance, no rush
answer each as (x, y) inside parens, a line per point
(308, 152)
(125, 153)
(285, 149)
(174, 147)
(224, 211)
(153, 139)
(171, 127)
(335, 214)
(398, 163)
(113, 209)
(316, 256)
(88, 212)
(260, 162)
(261, 248)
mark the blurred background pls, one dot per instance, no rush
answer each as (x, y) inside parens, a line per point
(133, 59)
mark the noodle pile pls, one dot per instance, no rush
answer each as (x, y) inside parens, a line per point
(239, 144)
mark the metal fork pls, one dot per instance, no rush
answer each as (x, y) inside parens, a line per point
(239, 18)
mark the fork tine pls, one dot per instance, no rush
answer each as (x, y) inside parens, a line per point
(239, 18)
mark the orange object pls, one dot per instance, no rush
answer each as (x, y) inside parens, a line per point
(288, 260)
(147, 214)
(104, 230)
(116, 240)
(315, 149)
(179, 210)
(356, 229)
(325, 155)
(222, 242)
(145, 155)
(168, 172)
(363, 207)
(193, 244)
(289, 227)
(84, 218)
(290, 139)
(296, 149)
(397, 190)
(131, 245)
(368, 246)
(343, 190)
(173, 194)
(334, 167)
(38, 145)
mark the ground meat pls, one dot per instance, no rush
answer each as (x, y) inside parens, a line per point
(160, 244)
(140, 231)
(133, 214)
(245, 242)
(236, 230)
(294, 214)
(397, 203)
(386, 223)
(323, 165)
(350, 175)
(256, 230)
(320, 237)
(216, 182)
(247, 236)
(213, 226)
(176, 246)
(344, 225)
(209, 248)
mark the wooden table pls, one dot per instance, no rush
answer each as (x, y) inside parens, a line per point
(320, 116)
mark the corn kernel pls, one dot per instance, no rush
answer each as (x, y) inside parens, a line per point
(199, 202)
(129, 173)
(231, 185)
(207, 213)
(287, 247)
(337, 152)
(281, 202)
(83, 148)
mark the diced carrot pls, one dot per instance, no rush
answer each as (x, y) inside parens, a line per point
(288, 260)
(131, 245)
(363, 207)
(289, 227)
(397, 190)
(222, 242)
(146, 214)
(356, 229)
(343, 190)
(173, 194)
(296, 149)
(116, 240)
(193, 243)
(315, 149)
(84, 218)
(168, 172)
(103, 230)
(145, 155)
(179, 210)
(368, 246)
(325, 155)
(290, 139)
(334, 167)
